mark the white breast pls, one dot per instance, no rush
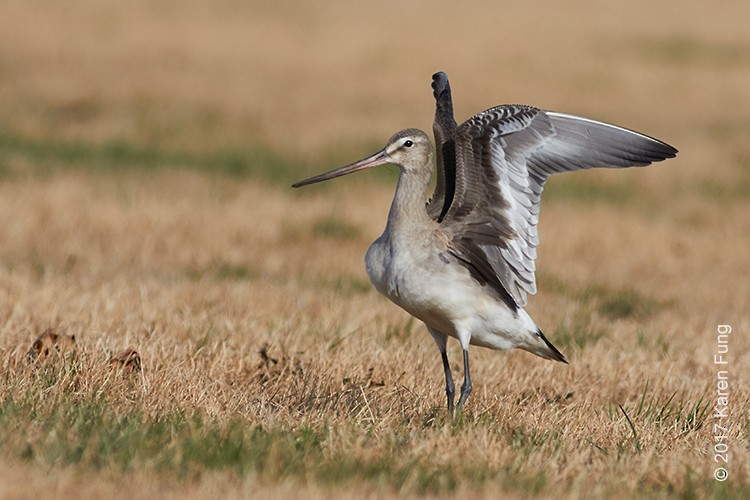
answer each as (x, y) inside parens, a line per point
(418, 281)
(442, 293)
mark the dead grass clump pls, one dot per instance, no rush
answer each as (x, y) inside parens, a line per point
(128, 360)
(50, 343)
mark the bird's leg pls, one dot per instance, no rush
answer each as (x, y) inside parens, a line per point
(450, 388)
(466, 387)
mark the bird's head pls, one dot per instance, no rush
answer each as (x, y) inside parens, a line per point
(409, 149)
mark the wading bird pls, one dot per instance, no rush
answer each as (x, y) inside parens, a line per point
(463, 261)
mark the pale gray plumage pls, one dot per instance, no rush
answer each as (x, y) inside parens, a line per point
(464, 263)
(503, 157)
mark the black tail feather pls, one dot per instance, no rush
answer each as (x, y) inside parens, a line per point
(557, 355)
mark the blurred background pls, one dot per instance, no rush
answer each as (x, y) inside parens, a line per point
(146, 153)
(307, 78)
(273, 92)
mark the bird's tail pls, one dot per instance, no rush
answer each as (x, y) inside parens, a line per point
(546, 350)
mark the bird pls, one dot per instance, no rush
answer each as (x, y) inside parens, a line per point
(463, 259)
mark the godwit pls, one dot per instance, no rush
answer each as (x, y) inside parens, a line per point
(463, 261)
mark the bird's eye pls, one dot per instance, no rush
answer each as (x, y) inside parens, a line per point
(408, 143)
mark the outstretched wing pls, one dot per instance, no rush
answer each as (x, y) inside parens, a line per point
(503, 158)
(444, 128)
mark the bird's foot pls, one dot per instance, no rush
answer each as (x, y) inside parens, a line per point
(465, 391)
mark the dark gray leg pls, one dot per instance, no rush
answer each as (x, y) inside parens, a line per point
(450, 388)
(466, 387)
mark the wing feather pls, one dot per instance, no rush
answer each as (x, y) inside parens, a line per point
(444, 128)
(503, 157)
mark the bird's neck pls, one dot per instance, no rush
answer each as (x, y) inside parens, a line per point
(408, 210)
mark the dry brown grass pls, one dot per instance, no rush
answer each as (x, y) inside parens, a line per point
(249, 304)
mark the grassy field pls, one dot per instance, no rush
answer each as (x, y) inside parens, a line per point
(145, 156)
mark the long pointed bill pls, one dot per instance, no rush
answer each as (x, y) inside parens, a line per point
(378, 158)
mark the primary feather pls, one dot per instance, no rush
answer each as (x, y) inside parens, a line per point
(490, 182)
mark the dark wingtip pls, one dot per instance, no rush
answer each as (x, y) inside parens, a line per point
(440, 84)
(664, 152)
(557, 355)
(671, 150)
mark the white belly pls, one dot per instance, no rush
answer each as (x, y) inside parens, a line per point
(442, 293)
